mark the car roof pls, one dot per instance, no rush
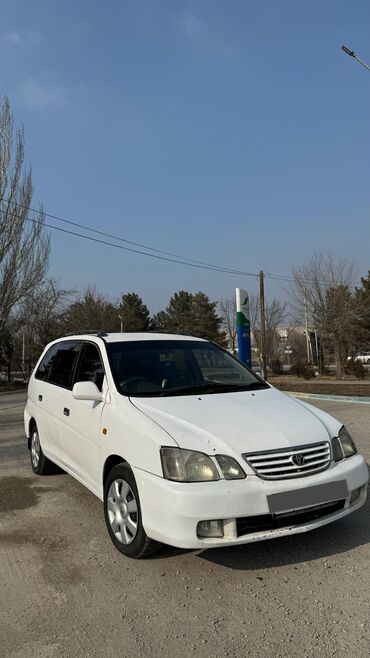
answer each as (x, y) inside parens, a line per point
(129, 336)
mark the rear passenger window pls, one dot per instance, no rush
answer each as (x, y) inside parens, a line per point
(90, 367)
(62, 363)
(43, 370)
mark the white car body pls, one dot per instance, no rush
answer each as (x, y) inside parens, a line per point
(133, 429)
(363, 357)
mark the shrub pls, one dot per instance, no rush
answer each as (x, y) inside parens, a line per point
(297, 368)
(276, 367)
(356, 368)
(302, 369)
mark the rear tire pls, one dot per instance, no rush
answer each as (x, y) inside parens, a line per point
(122, 514)
(40, 464)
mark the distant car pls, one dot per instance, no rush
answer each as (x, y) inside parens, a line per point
(185, 445)
(362, 357)
(3, 377)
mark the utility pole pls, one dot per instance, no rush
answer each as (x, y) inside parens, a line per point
(307, 334)
(120, 317)
(263, 323)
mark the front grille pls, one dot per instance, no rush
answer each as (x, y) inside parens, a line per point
(290, 462)
(264, 522)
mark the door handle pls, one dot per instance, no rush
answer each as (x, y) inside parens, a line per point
(40, 398)
(66, 411)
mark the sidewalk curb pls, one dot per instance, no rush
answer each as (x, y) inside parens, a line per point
(330, 398)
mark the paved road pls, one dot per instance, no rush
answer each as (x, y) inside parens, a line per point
(66, 592)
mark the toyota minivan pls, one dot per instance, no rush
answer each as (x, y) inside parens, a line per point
(184, 444)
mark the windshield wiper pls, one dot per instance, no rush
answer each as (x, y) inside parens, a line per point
(213, 387)
(185, 390)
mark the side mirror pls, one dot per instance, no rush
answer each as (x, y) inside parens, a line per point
(87, 391)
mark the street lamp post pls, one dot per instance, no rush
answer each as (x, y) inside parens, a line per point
(352, 53)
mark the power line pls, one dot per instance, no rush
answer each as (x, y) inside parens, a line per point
(166, 255)
(136, 251)
(291, 279)
(136, 244)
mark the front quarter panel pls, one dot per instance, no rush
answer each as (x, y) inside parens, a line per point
(132, 435)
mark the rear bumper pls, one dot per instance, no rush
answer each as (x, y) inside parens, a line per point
(26, 420)
(171, 511)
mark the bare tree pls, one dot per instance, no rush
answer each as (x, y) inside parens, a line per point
(322, 286)
(43, 313)
(228, 313)
(274, 314)
(24, 247)
(7, 347)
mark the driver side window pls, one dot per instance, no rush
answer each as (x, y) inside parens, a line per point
(90, 367)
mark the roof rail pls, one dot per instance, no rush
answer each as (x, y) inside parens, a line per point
(91, 332)
(169, 333)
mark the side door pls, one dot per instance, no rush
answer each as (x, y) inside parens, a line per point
(81, 432)
(53, 375)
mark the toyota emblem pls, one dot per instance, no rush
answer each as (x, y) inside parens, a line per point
(298, 459)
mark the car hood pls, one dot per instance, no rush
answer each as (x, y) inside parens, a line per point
(245, 421)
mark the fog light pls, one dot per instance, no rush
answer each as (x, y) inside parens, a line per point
(210, 528)
(354, 495)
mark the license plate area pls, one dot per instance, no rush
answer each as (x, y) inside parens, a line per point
(296, 499)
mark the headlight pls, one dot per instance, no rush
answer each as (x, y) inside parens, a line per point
(230, 468)
(337, 450)
(348, 444)
(187, 466)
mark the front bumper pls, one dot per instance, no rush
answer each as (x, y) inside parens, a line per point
(171, 511)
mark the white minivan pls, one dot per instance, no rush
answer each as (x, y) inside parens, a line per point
(184, 444)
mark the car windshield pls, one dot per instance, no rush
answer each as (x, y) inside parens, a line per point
(159, 368)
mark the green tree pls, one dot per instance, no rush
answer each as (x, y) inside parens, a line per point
(207, 324)
(361, 339)
(134, 313)
(191, 314)
(160, 322)
(176, 319)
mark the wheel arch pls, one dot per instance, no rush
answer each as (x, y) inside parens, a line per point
(110, 463)
(32, 423)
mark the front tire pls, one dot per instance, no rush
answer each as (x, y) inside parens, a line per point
(40, 464)
(122, 514)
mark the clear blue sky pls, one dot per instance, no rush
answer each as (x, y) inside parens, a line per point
(234, 132)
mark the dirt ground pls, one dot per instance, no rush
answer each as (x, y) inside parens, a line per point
(66, 592)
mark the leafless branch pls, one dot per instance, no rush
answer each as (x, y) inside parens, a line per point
(24, 246)
(227, 309)
(323, 285)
